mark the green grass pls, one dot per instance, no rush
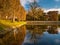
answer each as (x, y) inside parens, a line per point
(11, 24)
(1, 27)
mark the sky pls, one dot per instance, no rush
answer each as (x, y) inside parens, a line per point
(45, 4)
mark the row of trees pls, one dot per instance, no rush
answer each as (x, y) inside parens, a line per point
(35, 13)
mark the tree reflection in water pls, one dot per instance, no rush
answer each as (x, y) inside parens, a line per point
(18, 38)
(38, 30)
(52, 30)
(14, 37)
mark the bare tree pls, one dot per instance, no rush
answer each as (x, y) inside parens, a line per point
(35, 10)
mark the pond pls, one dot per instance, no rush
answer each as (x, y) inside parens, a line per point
(37, 36)
(31, 35)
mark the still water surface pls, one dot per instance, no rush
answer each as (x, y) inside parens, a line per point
(45, 37)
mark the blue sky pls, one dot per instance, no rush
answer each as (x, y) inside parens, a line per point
(46, 4)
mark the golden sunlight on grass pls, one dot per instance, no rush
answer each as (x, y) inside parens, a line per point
(12, 24)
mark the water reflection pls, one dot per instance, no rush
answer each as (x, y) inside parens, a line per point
(36, 35)
(13, 36)
(42, 35)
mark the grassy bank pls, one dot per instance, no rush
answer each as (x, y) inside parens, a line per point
(11, 24)
(8, 23)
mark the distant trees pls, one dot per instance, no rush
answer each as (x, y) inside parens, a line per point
(59, 17)
(35, 11)
(53, 15)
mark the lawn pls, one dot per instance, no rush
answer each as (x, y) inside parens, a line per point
(12, 24)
